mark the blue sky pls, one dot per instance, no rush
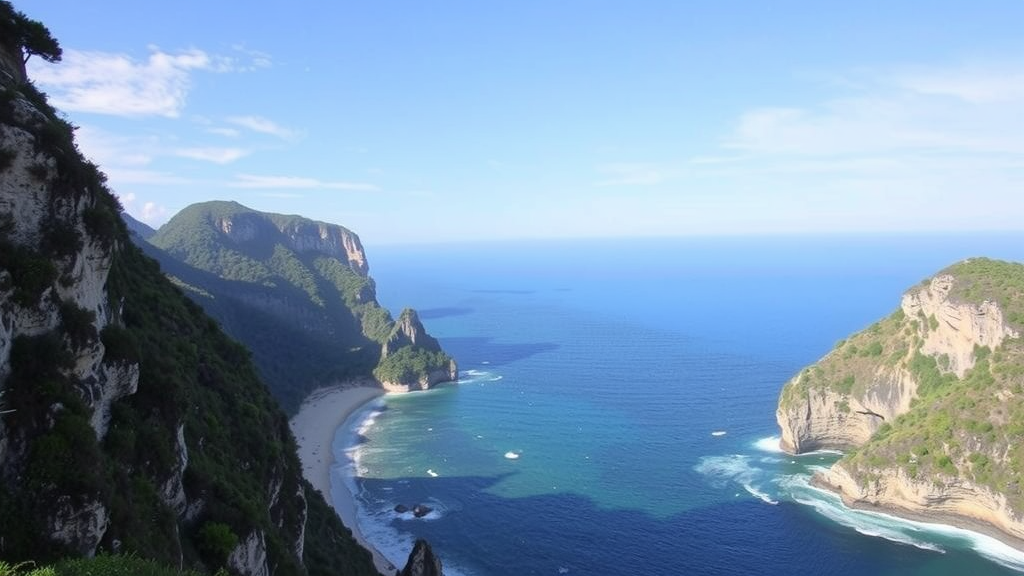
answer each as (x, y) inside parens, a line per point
(467, 120)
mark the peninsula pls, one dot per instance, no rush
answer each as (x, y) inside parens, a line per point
(927, 404)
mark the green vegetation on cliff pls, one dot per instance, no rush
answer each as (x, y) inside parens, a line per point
(66, 488)
(295, 291)
(968, 427)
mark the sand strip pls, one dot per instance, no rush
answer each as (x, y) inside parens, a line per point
(322, 412)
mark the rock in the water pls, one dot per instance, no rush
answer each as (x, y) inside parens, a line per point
(401, 508)
(421, 510)
(422, 562)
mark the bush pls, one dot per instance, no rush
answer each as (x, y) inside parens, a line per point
(31, 273)
(120, 345)
(216, 541)
(78, 324)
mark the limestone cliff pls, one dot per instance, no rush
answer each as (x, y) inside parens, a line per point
(409, 335)
(299, 294)
(130, 423)
(928, 403)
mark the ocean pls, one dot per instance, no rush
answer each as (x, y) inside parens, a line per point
(615, 413)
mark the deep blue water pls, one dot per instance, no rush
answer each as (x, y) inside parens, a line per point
(594, 374)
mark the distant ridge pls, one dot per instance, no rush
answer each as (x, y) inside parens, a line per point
(298, 293)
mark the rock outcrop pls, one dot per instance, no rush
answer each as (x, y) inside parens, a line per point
(960, 328)
(421, 562)
(895, 490)
(813, 417)
(928, 404)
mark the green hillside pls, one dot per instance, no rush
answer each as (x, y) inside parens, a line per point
(309, 315)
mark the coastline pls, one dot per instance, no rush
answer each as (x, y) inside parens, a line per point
(320, 415)
(947, 519)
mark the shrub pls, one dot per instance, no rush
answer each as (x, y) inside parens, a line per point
(78, 324)
(120, 345)
(216, 541)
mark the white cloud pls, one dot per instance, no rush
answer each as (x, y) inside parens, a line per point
(153, 212)
(212, 154)
(263, 126)
(227, 132)
(118, 177)
(958, 110)
(285, 195)
(108, 149)
(634, 174)
(296, 182)
(119, 85)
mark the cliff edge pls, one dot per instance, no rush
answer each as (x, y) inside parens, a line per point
(927, 404)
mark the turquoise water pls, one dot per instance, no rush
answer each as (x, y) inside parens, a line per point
(615, 413)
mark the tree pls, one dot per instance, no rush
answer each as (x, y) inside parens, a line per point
(29, 36)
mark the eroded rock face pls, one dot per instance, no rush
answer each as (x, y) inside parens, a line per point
(825, 418)
(250, 556)
(422, 562)
(960, 326)
(42, 215)
(894, 489)
(80, 526)
(334, 241)
(828, 420)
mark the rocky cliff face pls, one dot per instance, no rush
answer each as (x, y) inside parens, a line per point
(130, 422)
(960, 328)
(421, 562)
(895, 489)
(928, 404)
(53, 271)
(816, 413)
(260, 273)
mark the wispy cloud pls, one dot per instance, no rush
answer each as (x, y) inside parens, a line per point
(284, 195)
(633, 174)
(954, 110)
(147, 211)
(263, 126)
(297, 182)
(119, 85)
(227, 132)
(256, 58)
(212, 154)
(119, 177)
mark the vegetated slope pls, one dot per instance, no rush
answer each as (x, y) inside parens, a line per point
(298, 293)
(130, 423)
(928, 403)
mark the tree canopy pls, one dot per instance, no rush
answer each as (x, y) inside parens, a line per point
(29, 36)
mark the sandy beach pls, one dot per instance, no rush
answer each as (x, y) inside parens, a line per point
(321, 414)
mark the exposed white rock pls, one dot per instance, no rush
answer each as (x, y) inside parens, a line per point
(893, 488)
(250, 556)
(961, 325)
(173, 490)
(79, 526)
(115, 381)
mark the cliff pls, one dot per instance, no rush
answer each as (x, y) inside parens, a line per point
(411, 358)
(421, 562)
(928, 403)
(298, 293)
(130, 423)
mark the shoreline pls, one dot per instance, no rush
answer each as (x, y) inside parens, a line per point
(947, 519)
(319, 416)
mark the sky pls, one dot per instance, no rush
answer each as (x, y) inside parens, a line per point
(468, 121)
